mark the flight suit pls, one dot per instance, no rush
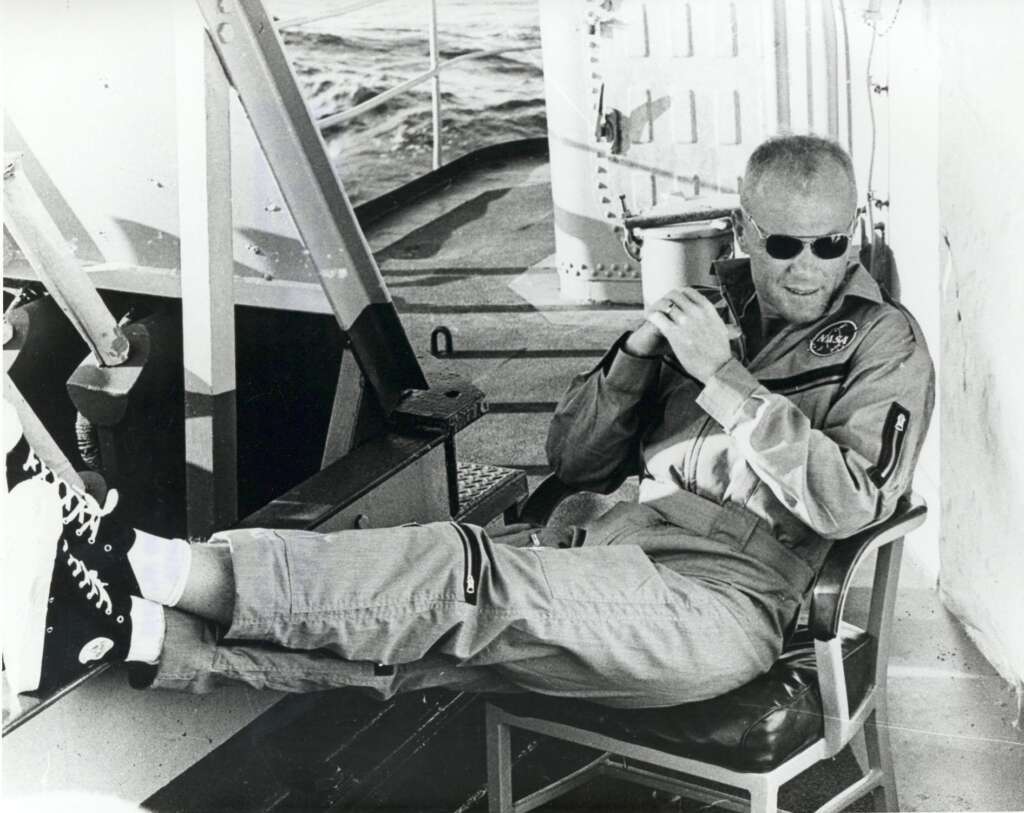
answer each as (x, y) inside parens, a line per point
(745, 482)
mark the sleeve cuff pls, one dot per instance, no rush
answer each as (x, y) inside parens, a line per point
(726, 392)
(627, 373)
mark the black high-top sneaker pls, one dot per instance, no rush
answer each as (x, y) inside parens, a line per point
(96, 535)
(87, 622)
(92, 529)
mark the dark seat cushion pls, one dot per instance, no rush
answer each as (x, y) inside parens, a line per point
(753, 728)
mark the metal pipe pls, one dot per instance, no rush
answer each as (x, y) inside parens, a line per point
(435, 86)
(336, 118)
(781, 65)
(849, 80)
(809, 64)
(831, 67)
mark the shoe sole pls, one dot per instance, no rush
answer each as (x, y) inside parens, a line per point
(32, 534)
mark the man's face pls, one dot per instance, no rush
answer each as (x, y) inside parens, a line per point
(798, 289)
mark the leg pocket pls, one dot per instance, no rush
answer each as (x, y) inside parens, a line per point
(619, 574)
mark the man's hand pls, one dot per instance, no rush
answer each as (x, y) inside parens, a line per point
(693, 329)
(646, 340)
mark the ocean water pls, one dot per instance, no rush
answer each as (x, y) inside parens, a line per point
(346, 59)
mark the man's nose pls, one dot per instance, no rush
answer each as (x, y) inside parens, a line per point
(805, 260)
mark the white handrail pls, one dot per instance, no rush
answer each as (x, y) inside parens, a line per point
(369, 104)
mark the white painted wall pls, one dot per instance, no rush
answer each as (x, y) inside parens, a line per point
(981, 204)
(955, 177)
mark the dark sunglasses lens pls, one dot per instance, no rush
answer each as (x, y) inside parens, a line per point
(782, 247)
(828, 248)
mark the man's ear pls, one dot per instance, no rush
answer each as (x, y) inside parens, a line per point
(740, 230)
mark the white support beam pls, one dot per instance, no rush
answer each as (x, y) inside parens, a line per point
(55, 265)
(248, 45)
(276, 294)
(207, 277)
(260, 73)
(39, 438)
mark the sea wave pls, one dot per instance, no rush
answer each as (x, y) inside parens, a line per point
(344, 61)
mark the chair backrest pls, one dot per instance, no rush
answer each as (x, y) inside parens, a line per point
(828, 595)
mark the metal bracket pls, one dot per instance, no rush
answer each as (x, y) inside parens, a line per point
(446, 409)
(438, 333)
(449, 407)
(608, 126)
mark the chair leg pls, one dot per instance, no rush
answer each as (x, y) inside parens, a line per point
(499, 765)
(764, 797)
(876, 738)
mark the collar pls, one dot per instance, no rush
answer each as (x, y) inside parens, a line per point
(738, 286)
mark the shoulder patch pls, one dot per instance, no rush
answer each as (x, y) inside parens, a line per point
(830, 340)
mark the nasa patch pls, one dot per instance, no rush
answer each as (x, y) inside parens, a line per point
(830, 340)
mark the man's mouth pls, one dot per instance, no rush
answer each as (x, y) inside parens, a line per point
(797, 291)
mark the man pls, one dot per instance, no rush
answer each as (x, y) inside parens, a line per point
(750, 461)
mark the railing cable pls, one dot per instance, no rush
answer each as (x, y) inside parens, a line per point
(298, 22)
(433, 74)
(343, 115)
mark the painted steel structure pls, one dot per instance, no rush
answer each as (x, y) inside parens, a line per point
(652, 102)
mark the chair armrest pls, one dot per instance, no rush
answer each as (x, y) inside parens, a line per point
(833, 583)
(541, 504)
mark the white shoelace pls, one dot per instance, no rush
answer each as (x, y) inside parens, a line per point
(77, 506)
(90, 578)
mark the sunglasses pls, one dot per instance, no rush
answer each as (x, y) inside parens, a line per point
(787, 246)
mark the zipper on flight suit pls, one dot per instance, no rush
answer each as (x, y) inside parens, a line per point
(470, 564)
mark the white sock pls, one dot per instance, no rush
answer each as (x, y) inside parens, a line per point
(160, 566)
(148, 629)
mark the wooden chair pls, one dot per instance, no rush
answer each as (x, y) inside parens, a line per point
(827, 688)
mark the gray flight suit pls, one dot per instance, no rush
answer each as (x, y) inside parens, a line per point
(685, 595)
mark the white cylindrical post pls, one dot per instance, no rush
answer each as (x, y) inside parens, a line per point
(435, 85)
(674, 256)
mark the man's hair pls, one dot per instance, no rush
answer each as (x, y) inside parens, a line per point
(800, 157)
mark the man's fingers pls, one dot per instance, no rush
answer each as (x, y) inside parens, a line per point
(689, 302)
(669, 300)
(677, 300)
(660, 321)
